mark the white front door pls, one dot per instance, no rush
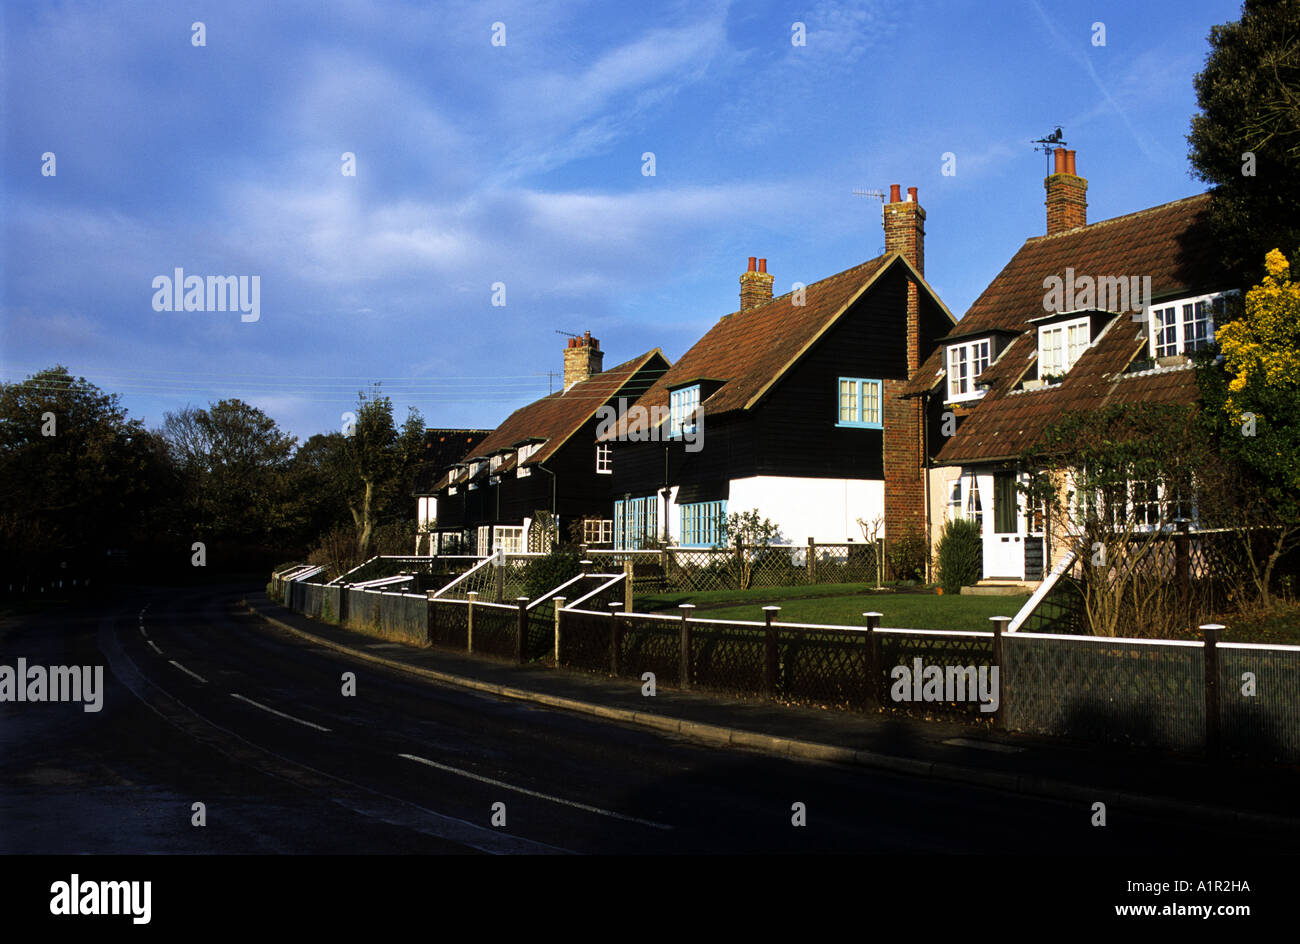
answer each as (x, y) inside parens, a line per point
(1004, 534)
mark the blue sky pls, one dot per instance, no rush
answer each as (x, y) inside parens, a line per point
(522, 164)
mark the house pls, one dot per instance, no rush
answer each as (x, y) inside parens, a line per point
(538, 470)
(1082, 317)
(442, 447)
(789, 405)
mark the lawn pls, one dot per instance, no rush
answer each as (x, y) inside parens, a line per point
(844, 605)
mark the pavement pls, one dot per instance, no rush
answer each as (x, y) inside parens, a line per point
(1227, 795)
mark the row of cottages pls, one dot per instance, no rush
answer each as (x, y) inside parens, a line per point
(1025, 353)
(789, 405)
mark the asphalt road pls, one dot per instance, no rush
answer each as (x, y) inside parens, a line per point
(205, 703)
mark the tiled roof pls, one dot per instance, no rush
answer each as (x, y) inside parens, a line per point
(749, 350)
(556, 417)
(1171, 243)
(1007, 421)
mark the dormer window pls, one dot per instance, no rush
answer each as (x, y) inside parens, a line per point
(1060, 345)
(683, 404)
(495, 463)
(965, 363)
(1186, 324)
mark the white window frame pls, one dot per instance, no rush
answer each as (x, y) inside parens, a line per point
(1073, 337)
(956, 506)
(509, 537)
(683, 403)
(966, 361)
(604, 461)
(1173, 323)
(636, 520)
(598, 531)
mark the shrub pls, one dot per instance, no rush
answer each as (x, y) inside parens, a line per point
(547, 573)
(960, 555)
(907, 555)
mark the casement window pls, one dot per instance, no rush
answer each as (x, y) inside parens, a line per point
(484, 542)
(1141, 505)
(965, 363)
(604, 462)
(525, 453)
(509, 538)
(1186, 324)
(955, 510)
(974, 507)
(636, 522)
(494, 463)
(860, 403)
(597, 531)
(681, 413)
(703, 523)
(452, 489)
(1061, 345)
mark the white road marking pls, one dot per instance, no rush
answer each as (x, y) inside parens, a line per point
(154, 646)
(532, 793)
(187, 671)
(984, 745)
(143, 633)
(258, 704)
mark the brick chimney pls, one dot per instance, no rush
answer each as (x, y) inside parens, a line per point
(1067, 194)
(755, 286)
(582, 358)
(905, 226)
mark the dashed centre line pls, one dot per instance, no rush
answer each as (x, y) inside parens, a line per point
(533, 793)
(153, 645)
(188, 672)
(258, 704)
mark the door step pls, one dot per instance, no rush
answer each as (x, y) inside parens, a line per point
(994, 586)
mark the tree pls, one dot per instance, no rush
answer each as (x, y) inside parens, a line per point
(376, 463)
(234, 460)
(77, 476)
(1253, 414)
(1246, 138)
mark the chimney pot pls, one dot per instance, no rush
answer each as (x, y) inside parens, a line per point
(755, 285)
(895, 195)
(582, 359)
(911, 194)
(1067, 195)
(762, 265)
(751, 263)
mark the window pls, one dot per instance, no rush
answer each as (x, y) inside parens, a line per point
(974, 507)
(597, 531)
(512, 539)
(495, 463)
(451, 489)
(859, 403)
(702, 523)
(1186, 324)
(484, 542)
(636, 522)
(604, 463)
(954, 500)
(965, 363)
(682, 406)
(1005, 503)
(526, 452)
(1061, 345)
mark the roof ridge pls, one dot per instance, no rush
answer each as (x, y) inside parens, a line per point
(1119, 219)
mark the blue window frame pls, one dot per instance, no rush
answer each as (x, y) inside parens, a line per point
(682, 406)
(636, 521)
(702, 523)
(860, 403)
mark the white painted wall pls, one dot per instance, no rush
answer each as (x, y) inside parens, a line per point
(823, 509)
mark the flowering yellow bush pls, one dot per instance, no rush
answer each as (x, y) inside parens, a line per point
(1263, 347)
